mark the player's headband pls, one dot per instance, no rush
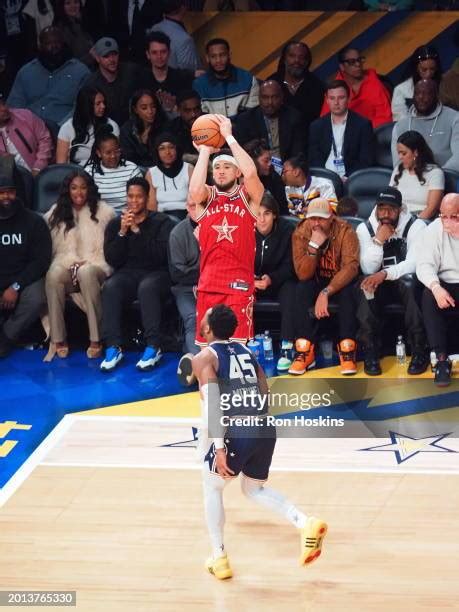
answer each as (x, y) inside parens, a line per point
(224, 158)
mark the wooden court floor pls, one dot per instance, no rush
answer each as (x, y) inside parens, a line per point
(134, 539)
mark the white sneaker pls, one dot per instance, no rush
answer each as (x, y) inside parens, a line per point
(149, 359)
(113, 356)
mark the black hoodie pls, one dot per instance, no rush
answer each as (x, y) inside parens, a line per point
(274, 253)
(25, 248)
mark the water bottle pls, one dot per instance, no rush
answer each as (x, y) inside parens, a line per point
(400, 351)
(268, 346)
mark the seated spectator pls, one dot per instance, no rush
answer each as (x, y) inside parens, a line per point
(77, 222)
(110, 170)
(76, 136)
(169, 178)
(302, 89)
(437, 123)
(24, 136)
(68, 17)
(347, 207)
(301, 188)
(326, 260)
(146, 120)
(281, 126)
(164, 81)
(225, 89)
(342, 140)
(438, 269)
(136, 247)
(184, 272)
(117, 80)
(449, 85)
(183, 49)
(25, 255)
(420, 181)
(369, 97)
(48, 85)
(388, 242)
(189, 109)
(272, 182)
(41, 14)
(424, 64)
(274, 274)
(132, 20)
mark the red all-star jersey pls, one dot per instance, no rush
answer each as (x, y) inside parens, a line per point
(227, 243)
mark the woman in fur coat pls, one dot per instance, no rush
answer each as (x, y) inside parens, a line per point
(77, 223)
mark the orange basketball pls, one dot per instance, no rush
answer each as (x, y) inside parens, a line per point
(205, 130)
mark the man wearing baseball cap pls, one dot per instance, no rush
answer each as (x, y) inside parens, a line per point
(326, 260)
(387, 259)
(25, 255)
(116, 80)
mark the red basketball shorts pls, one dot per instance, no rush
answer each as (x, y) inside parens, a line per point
(242, 305)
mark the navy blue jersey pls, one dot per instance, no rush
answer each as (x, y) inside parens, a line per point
(237, 378)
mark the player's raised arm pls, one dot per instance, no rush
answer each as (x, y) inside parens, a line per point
(198, 189)
(252, 183)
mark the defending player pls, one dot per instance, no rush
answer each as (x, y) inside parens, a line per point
(226, 214)
(245, 450)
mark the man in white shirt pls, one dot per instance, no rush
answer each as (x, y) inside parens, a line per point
(388, 243)
(342, 140)
(438, 269)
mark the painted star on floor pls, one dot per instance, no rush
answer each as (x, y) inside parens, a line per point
(406, 447)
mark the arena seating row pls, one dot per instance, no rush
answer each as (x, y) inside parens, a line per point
(363, 185)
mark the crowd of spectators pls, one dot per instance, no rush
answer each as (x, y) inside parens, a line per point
(115, 93)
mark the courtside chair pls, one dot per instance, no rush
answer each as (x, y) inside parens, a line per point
(364, 185)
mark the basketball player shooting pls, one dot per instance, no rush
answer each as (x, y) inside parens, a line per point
(226, 213)
(245, 450)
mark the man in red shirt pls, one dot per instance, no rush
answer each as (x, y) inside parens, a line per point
(226, 213)
(369, 97)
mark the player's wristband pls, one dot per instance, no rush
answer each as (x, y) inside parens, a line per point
(230, 139)
(219, 444)
(313, 244)
(378, 242)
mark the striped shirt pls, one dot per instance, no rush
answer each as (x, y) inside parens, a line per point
(112, 183)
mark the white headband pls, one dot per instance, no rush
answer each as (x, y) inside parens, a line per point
(225, 158)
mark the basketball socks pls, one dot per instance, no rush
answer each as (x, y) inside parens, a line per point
(215, 512)
(269, 498)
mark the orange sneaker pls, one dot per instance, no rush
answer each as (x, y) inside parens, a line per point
(347, 350)
(304, 357)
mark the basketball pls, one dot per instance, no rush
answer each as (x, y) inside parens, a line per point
(205, 130)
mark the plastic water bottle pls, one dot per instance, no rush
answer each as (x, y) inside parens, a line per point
(400, 351)
(268, 347)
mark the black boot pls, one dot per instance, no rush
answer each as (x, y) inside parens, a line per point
(420, 360)
(442, 373)
(371, 365)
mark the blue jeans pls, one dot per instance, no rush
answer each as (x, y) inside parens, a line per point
(186, 304)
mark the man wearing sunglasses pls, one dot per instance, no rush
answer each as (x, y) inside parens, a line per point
(369, 97)
(438, 269)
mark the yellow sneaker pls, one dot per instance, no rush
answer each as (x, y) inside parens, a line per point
(312, 536)
(220, 567)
